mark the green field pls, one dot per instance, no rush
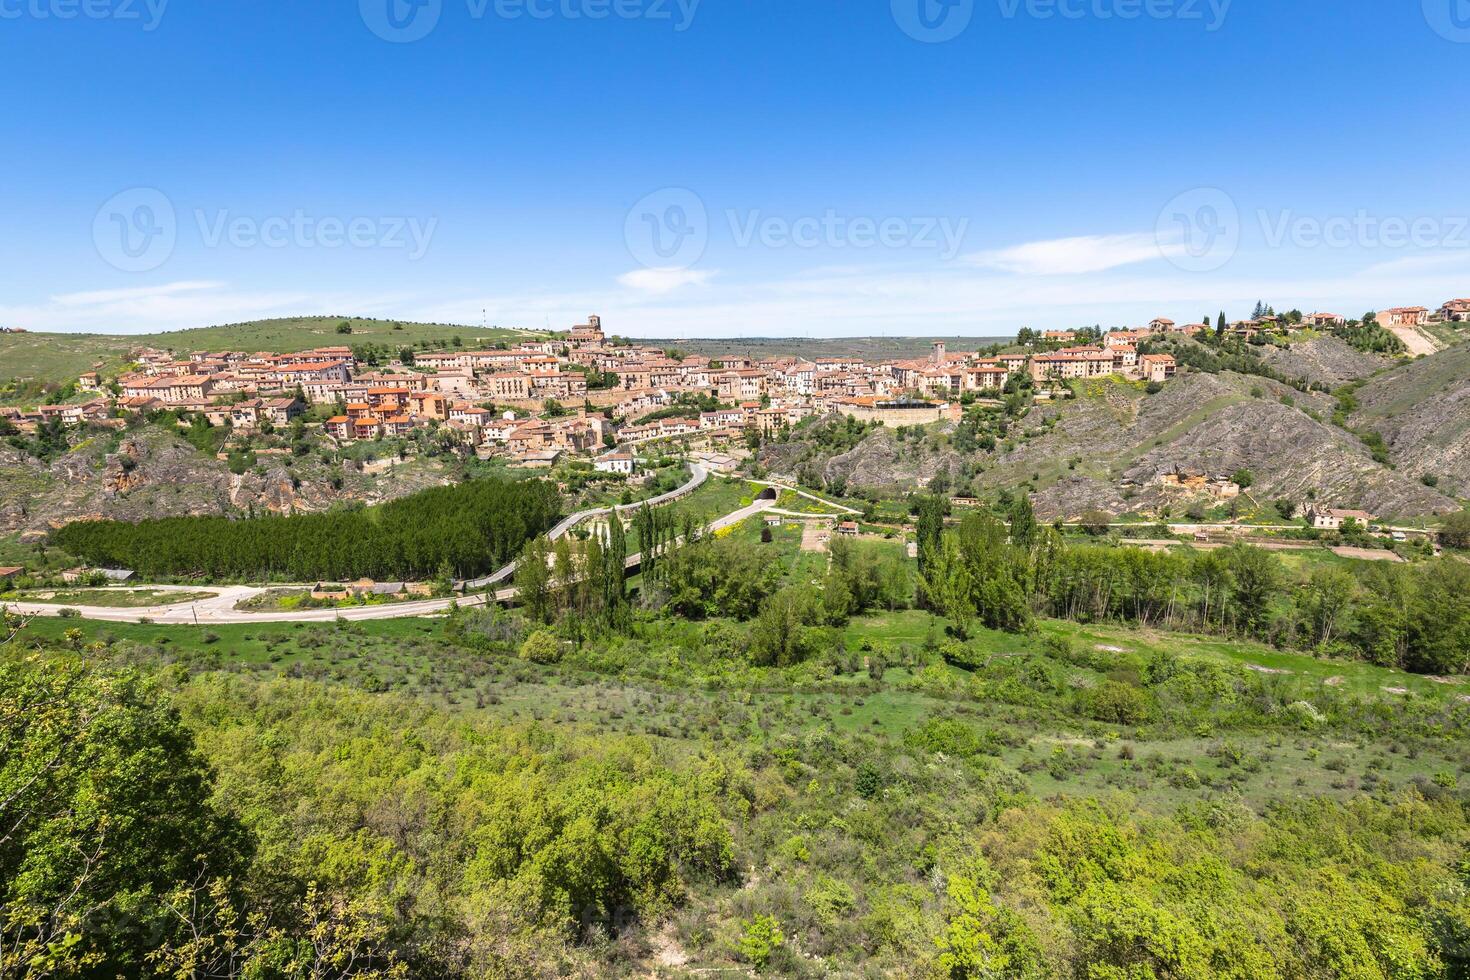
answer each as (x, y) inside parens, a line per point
(61, 357)
(1058, 751)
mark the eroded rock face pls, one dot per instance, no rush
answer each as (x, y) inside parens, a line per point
(1290, 455)
(879, 462)
(1325, 360)
(1113, 449)
(1422, 410)
(150, 472)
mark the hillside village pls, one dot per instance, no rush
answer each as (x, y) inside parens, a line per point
(511, 401)
(575, 393)
(608, 405)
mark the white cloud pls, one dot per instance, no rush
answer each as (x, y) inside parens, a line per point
(660, 281)
(1071, 256)
(106, 296)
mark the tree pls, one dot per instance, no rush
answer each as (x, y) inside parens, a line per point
(1455, 532)
(777, 639)
(759, 940)
(108, 812)
(837, 598)
(1096, 522)
(1220, 325)
(930, 526)
(616, 556)
(1024, 528)
(982, 941)
(1256, 579)
(533, 579)
(1243, 478)
(1326, 599)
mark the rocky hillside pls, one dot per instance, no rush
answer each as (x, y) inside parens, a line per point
(1117, 448)
(1422, 410)
(1325, 360)
(151, 472)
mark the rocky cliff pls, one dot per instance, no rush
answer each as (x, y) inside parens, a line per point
(151, 472)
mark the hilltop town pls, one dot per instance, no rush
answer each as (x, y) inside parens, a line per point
(612, 418)
(577, 393)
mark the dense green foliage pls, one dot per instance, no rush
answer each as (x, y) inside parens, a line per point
(379, 835)
(762, 759)
(1370, 336)
(106, 813)
(1414, 616)
(470, 529)
(349, 836)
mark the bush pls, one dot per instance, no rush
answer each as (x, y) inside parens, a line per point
(541, 647)
(1119, 703)
(760, 940)
(869, 781)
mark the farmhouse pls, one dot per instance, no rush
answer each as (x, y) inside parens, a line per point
(622, 464)
(1332, 519)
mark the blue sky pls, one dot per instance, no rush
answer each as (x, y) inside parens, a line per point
(730, 167)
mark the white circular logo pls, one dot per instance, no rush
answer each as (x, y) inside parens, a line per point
(1199, 230)
(1449, 18)
(401, 21)
(933, 21)
(668, 229)
(136, 230)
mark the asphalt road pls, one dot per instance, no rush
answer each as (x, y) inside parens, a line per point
(697, 475)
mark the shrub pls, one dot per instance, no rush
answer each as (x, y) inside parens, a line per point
(760, 939)
(1114, 701)
(541, 647)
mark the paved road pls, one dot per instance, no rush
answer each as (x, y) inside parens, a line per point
(697, 475)
(220, 609)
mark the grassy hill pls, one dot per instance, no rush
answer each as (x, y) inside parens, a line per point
(62, 356)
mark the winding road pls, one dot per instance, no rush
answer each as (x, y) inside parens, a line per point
(220, 609)
(698, 474)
